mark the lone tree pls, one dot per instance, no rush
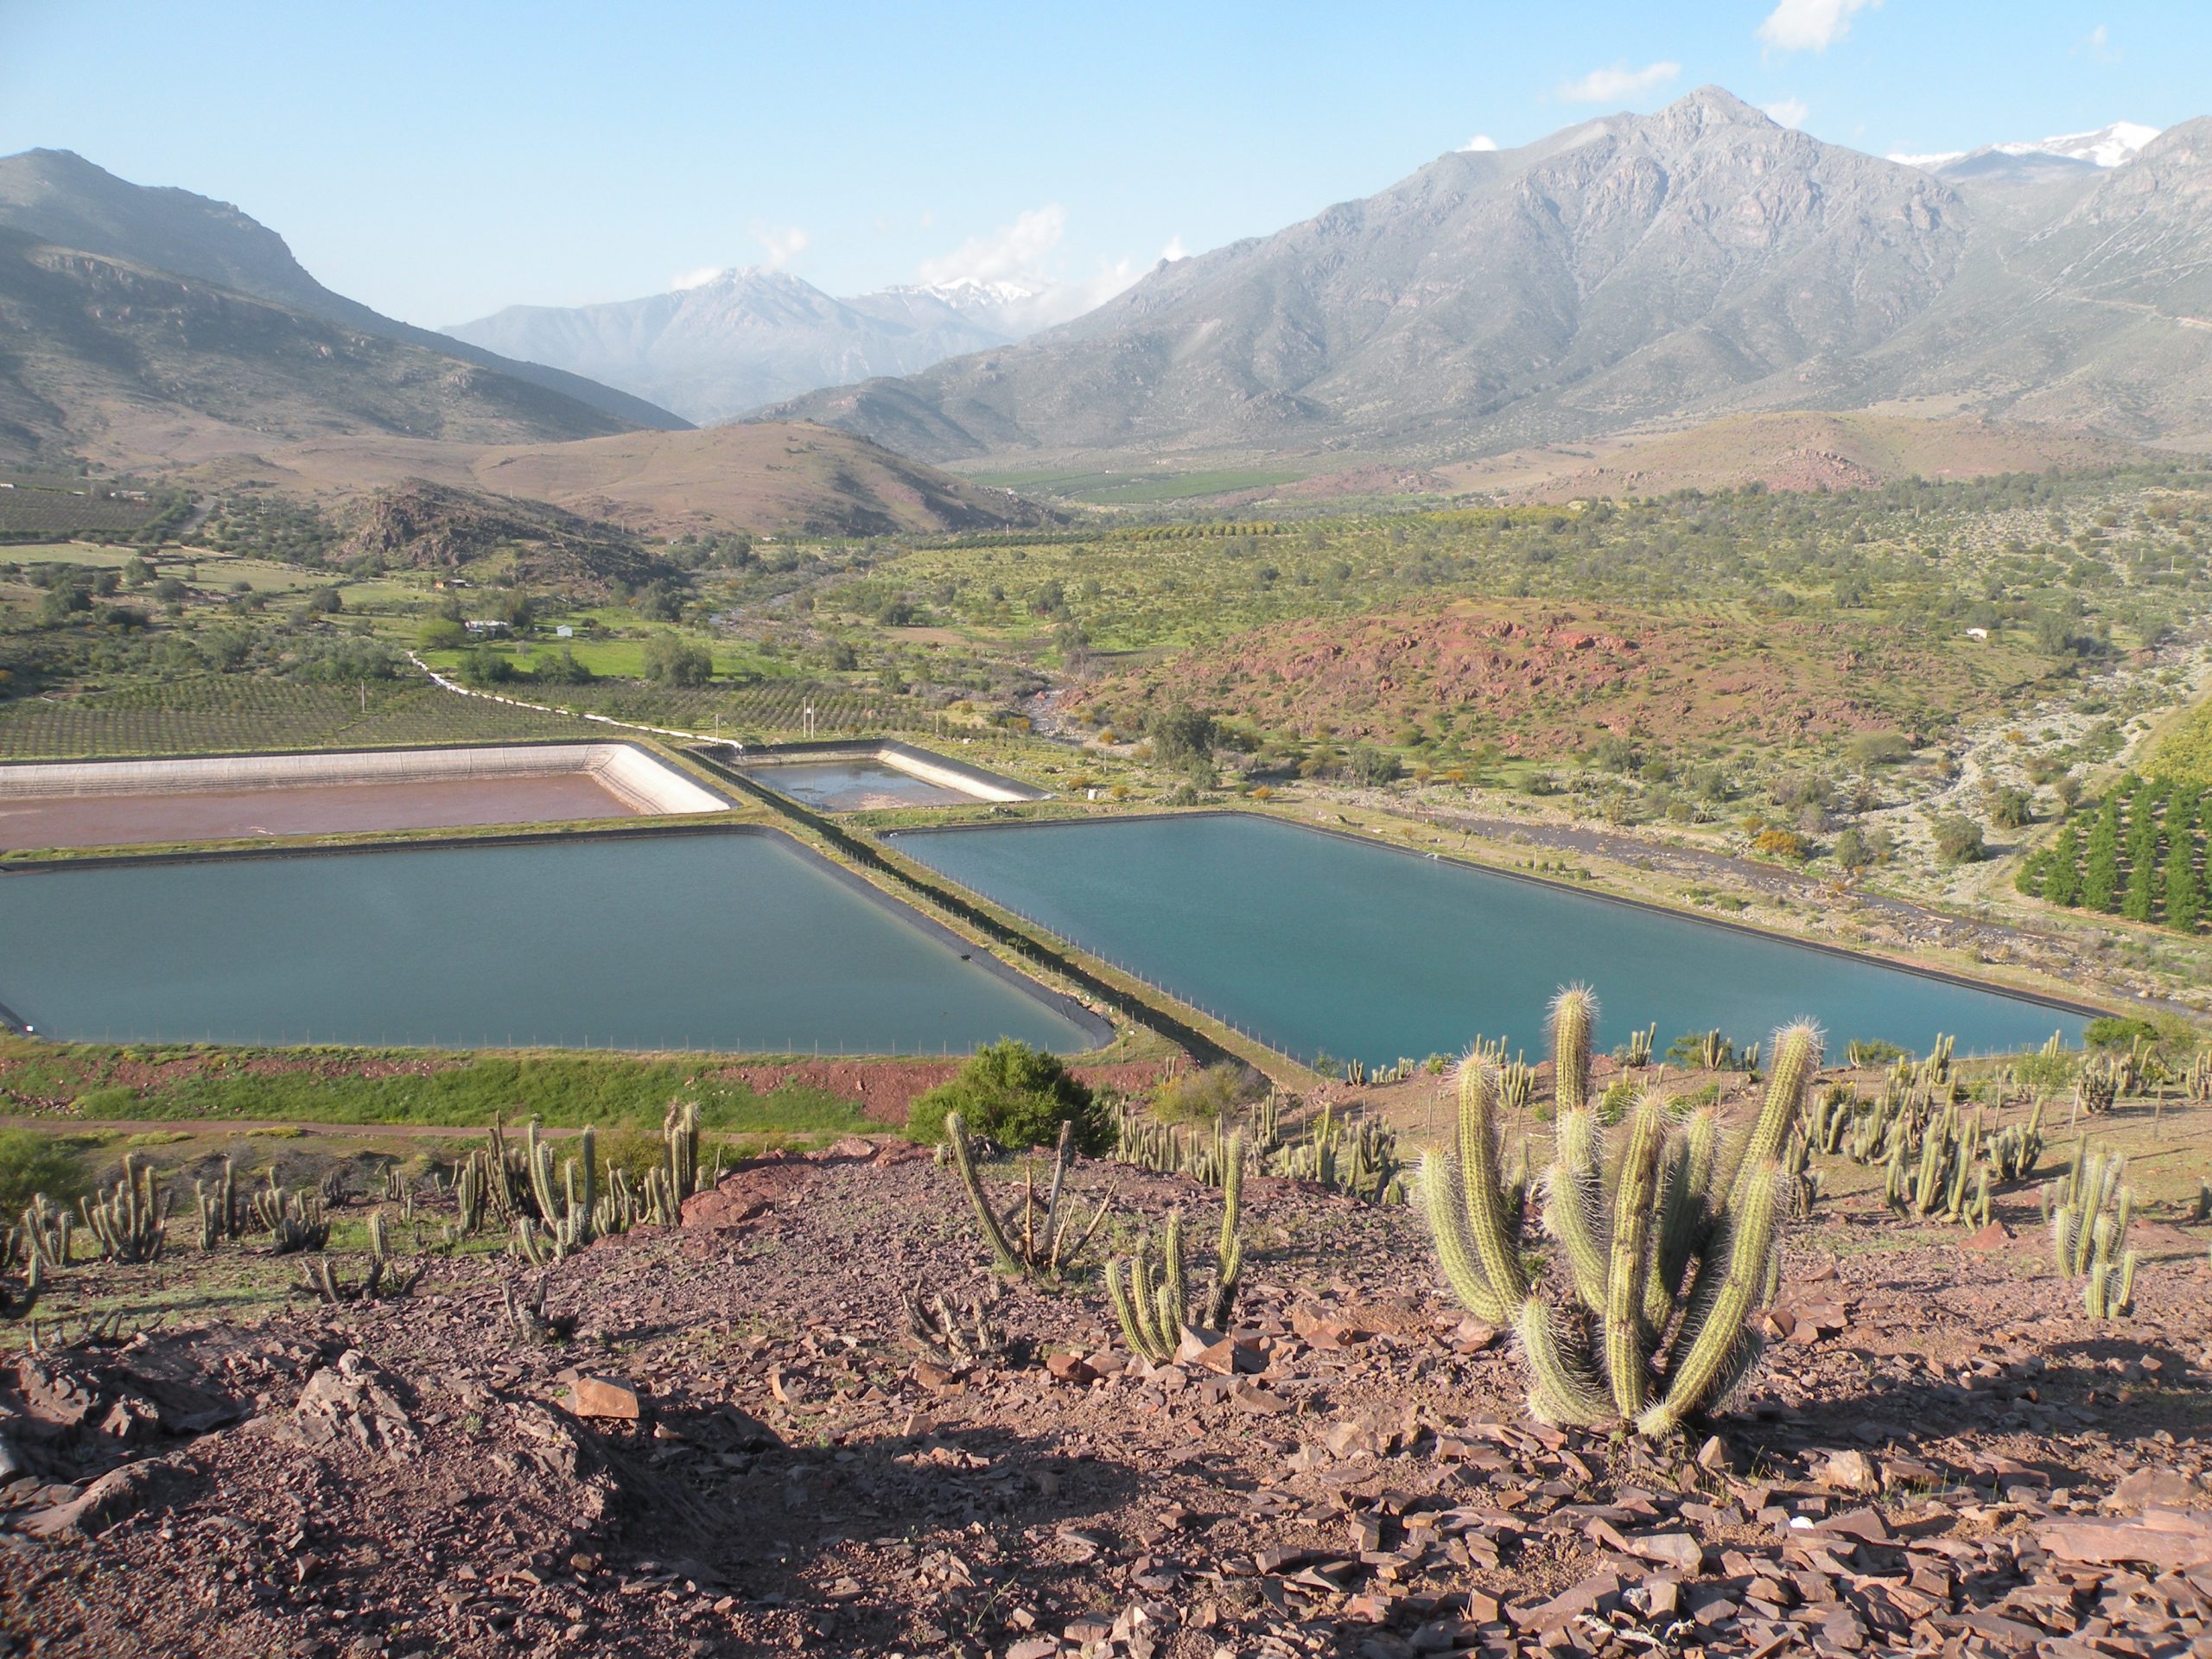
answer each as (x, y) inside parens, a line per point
(1181, 736)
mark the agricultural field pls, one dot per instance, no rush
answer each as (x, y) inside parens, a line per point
(1136, 488)
(2140, 853)
(52, 510)
(208, 714)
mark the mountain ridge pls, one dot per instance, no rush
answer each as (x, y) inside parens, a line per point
(60, 199)
(1694, 261)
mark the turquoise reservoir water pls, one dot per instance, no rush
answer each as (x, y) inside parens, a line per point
(1319, 943)
(731, 941)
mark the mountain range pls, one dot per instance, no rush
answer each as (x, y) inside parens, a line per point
(740, 339)
(1695, 261)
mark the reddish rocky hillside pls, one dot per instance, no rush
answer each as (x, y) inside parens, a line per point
(1539, 678)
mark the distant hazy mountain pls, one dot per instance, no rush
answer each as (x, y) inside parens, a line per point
(1690, 262)
(748, 337)
(126, 301)
(745, 338)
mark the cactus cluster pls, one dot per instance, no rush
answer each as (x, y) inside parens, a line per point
(384, 1279)
(131, 1222)
(950, 1336)
(1637, 1055)
(1044, 1243)
(1937, 1161)
(1357, 1156)
(2196, 1079)
(1155, 1312)
(526, 1318)
(36, 1247)
(293, 1221)
(2089, 1210)
(1668, 1257)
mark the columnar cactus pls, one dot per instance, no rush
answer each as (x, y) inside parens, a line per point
(1046, 1244)
(1666, 1267)
(294, 1222)
(1154, 1313)
(131, 1223)
(2090, 1210)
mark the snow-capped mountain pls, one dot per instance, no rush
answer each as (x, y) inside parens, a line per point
(968, 294)
(2106, 147)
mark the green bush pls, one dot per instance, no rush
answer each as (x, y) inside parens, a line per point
(1208, 1096)
(1017, 1095)
(31, 1163)
(2113, 1030)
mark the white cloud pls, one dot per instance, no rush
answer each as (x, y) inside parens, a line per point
(1480, 141)
(1811, 25)
(781, 245)
(698, 278)
(2097, 47)
(1611, 85)
(1007, 254)
(1174, 249)
(1790, 111)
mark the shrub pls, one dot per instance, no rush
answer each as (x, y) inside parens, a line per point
(674, 661)
(1017, 1095)
(2012, 808)
(1371, 766)
(2113, 1031)
(1181, 736)
(1958, 841)
(1208, 1096)
(484, 666)
(443, 634)
(31, 1163)
(1783, 843)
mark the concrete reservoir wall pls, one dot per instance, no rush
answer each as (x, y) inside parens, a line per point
(631, 775)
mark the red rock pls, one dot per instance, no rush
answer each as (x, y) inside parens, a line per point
(605, 1396)
(2169, 1539)
(1253, 1397)
(1995, 1236)
(1069, 1367)
(115, 1494)
(1850, 1471)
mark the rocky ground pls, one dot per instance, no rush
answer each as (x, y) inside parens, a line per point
(741, 1450)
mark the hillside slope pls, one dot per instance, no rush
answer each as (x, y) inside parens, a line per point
(130, 367)
(58, 198)
(1678, 265)
(762, 477)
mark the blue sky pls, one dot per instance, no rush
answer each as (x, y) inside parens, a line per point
(440, 161)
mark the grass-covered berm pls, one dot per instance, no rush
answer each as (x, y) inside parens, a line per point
(807, 1401)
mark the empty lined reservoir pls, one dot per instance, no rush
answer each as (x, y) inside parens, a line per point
(729, 941)
(125, 803)
(1320, 943)
(857, 777)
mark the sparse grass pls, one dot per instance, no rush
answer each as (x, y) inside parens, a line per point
(182, 1082)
